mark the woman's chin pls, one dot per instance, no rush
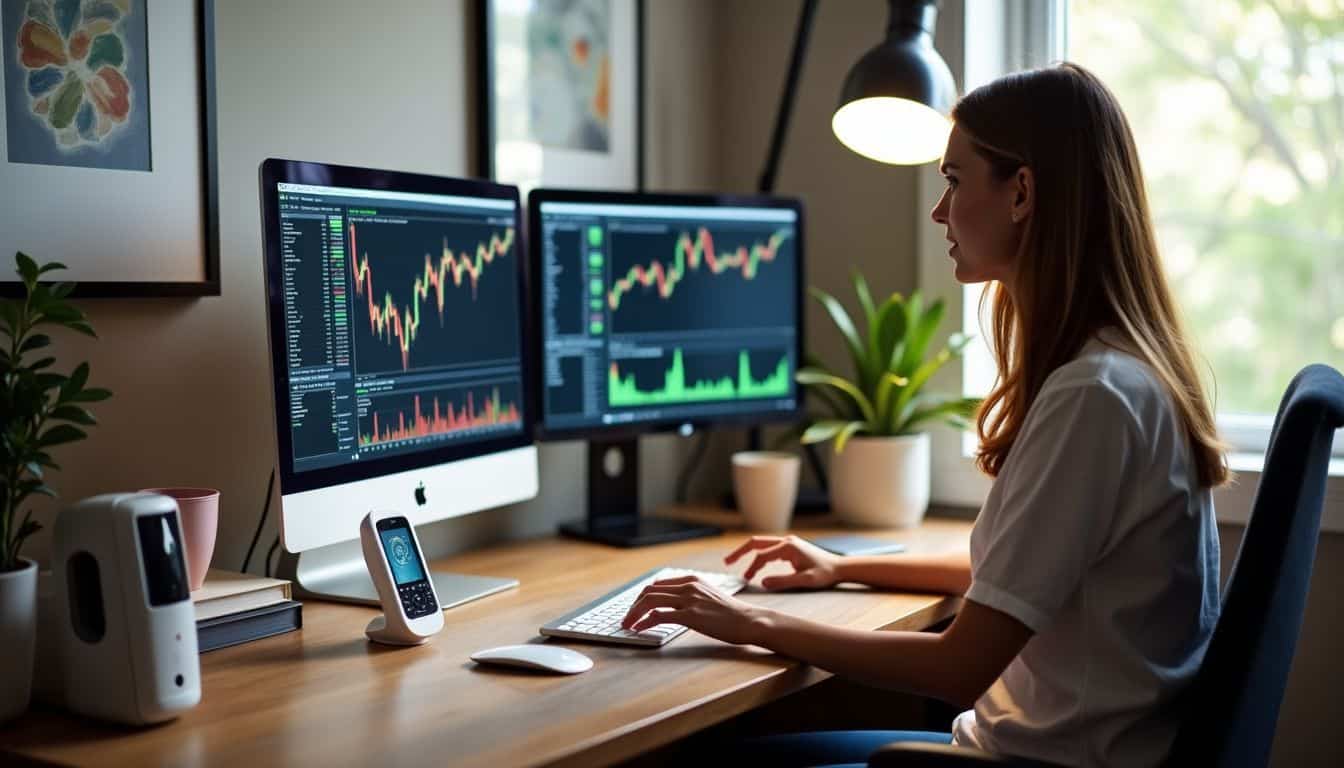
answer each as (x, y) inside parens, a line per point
(963, 274)
(965, 277)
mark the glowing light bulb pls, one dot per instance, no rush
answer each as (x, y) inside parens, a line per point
(892, 130)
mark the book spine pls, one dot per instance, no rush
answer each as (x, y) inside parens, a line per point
(214, 634)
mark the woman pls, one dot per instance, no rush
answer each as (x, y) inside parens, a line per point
(1091, 584)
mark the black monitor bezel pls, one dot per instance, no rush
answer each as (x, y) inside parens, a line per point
(274, 171)
(538, 196)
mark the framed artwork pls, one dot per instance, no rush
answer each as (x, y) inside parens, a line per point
(560, 93)
(107, 145)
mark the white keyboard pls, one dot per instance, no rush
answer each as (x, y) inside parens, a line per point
(600, 620)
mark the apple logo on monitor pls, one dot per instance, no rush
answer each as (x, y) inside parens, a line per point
(420, 495)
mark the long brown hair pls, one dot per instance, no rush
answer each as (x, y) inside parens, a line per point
(1088, 258)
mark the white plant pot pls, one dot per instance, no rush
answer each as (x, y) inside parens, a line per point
(881, 482)
(18, 631)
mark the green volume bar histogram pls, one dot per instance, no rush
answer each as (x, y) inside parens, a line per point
(623, 392)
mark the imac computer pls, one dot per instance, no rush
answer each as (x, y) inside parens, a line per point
(402, 382)
(660, 312)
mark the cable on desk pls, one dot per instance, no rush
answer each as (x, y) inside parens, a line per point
(274, 546)
(265, 509)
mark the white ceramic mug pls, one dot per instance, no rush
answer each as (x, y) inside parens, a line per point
(766, 485)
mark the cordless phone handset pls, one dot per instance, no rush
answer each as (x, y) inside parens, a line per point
(411, 611)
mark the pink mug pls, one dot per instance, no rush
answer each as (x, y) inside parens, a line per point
(199, 508)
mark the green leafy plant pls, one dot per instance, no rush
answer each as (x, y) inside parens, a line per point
(39, 409)
(884, 396)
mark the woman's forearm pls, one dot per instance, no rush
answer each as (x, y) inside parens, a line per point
(956, 665)
(948, 573)
(915, 662)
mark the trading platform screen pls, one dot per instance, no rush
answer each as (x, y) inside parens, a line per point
(666, 313)
(401, 321)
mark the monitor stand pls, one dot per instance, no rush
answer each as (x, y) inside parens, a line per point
(613, 502)
(337, 573)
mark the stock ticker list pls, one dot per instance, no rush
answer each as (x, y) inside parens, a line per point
(318, 330)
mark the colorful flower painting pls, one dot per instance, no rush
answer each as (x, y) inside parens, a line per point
(76, 77)
(570, 70)
(554, 73)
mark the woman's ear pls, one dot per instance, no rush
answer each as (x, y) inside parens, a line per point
(1024, 194)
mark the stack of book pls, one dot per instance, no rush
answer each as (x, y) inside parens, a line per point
(233, 608)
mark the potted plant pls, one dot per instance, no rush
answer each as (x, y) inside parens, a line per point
(880, 465)
(39, 409)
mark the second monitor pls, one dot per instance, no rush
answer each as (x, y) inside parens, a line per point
(661, 312)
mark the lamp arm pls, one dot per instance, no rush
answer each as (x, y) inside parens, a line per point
(766, 185)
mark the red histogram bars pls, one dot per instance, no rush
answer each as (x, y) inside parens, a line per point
(441, 421)
(398, 325)
(690, 254)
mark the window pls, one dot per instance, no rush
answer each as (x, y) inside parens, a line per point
(1238, 112)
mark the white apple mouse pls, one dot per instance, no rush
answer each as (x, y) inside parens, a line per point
(536, 656)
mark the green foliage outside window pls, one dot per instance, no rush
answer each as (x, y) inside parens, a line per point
(1238, 111)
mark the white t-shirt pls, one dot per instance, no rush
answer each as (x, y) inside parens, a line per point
(1097, 536)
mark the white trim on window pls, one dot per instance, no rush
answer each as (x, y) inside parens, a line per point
(1248, 434)
(1035, 34)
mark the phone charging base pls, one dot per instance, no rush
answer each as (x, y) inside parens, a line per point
(379, 632)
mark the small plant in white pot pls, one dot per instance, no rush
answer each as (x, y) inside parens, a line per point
(39, 409)
(879, 471)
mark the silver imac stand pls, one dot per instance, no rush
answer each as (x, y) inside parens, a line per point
(337, 573)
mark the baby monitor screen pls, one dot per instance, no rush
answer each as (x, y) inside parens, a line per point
(401, 318)
(401, 554)
(161, 556)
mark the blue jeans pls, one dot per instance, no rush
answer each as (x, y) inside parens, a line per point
(832, 749)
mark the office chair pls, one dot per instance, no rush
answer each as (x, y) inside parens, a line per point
(1231, 709)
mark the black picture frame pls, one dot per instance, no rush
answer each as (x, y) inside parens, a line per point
(484, 27)
(209, 285)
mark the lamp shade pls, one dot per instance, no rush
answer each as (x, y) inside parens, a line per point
(895, 101)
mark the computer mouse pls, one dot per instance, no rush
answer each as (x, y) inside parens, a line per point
(536, 656)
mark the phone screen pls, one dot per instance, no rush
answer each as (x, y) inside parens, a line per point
(401, 554)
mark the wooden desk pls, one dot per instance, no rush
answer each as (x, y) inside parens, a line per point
(325, 696)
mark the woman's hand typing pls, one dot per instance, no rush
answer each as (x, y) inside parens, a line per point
(692, 603)
(813, 567)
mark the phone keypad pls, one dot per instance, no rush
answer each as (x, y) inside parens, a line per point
(417, 599)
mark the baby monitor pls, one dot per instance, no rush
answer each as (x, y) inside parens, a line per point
(411, 612)
(124, 623)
